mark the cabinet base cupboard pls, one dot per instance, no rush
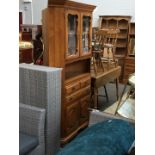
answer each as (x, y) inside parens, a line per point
(67, 34)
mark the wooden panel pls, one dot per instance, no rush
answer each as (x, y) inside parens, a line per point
(53, 33)
(77, 68)
(84, 113)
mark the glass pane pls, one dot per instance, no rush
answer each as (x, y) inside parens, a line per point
(72, 34)
(85, 33)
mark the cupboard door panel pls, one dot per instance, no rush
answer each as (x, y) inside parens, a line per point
(72, 117)
(72, 34)
(84, 113)
(86, 34)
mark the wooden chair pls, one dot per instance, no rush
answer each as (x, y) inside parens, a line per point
(99, 37)
(109, 42)
(104, 48)
(98, 50)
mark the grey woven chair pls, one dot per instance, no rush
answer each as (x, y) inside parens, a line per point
(31, 125)
(40, 86)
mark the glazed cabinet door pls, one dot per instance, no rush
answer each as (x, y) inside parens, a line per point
(72, 34)
(72, 117)
(86, 34)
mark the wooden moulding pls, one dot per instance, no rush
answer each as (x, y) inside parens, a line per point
(71, 4)
(56, 2)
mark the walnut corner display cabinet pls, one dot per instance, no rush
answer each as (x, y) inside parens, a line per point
(67, 34)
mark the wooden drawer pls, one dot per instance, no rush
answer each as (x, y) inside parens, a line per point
(85, 91)
(72, 87)
(85, 82)
(73, 97)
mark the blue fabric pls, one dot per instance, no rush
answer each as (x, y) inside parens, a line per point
(26, 143)
(111, 137)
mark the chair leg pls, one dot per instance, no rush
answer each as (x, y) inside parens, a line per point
(117, 90)
(94, 66)
(106, 93)
(120, 98)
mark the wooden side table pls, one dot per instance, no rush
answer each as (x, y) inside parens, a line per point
(102, 79)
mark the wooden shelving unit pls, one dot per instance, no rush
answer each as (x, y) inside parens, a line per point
(122, 23)
(129, 66)
(67, 36)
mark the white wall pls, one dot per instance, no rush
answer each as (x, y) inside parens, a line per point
(111, 7)
(104, 7)
(32, 12)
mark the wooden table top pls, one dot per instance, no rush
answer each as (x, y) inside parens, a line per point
(105, 77)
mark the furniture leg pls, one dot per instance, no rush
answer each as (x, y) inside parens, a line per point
(119, 100)
(100, 60)
(95, 98)
(106, 93)
(117, 89)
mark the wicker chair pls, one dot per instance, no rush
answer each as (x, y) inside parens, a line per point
(31, 127)
(40, 86)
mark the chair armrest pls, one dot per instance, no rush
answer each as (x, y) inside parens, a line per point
(32, 121)
(97, 116)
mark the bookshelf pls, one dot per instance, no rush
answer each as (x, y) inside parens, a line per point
(121, 23)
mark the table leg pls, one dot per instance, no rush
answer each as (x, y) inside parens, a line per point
(95, 98)
(106, 93)
(117, 91)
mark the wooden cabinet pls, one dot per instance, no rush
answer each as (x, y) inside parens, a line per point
(122, 23)
(131, 40)
(67, 33)
(129, 66)
(77, 99)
